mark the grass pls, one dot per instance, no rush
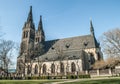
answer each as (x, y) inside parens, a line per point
(97, 81)
(81, 81)
(27, 81)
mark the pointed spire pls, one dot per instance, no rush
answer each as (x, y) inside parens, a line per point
(92, 33)
(91, 28)
(30, 17)
(40, 30)
(40, 27)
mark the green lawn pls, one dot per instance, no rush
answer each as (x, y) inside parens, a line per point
(100, 81)
(27, 81)
(81, 81)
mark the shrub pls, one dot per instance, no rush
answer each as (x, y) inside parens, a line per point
(84, 76)
(28, 77)
(34, 77)
(68, 76)
(71, 76)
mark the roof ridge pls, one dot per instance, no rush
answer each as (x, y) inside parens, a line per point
(68, 38)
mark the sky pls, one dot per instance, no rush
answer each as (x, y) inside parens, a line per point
(61, 18)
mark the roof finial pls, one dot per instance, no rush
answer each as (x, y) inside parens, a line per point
(91, 27)
(40, 30)
(30, 17)
(40, 27)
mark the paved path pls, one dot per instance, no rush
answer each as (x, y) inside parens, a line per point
(74, 80)
(67, 81)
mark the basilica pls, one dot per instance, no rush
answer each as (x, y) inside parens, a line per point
(39, 56)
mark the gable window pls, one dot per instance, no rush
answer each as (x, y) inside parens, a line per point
(99, 58)
(52, 48)
(67, 45)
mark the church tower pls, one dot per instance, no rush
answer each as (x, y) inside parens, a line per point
(28, 34)
(97, 50)
(39, 39)
(40, 36)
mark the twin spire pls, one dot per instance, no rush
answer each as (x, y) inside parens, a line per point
(40, 26)
(30, 19)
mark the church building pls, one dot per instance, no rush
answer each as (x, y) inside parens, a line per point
(38, 56)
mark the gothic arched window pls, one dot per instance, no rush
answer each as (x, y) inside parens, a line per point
(52, 68)
(61, 67)
(28, 69)
(92, 59)
(99, 57)
(44, 69)
(36, 69)
(26, 35)
(73, 67)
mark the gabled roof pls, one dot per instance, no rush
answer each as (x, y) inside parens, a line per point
(73, 43)
(72, 48)
(65, 56)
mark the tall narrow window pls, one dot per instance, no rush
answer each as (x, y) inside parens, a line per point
(28, 69)
(61, 67)
(99, 58)
(92, 59)
(73, 67)
(24, 34)
(44, 69)
(36, 69)
(52, 68)
(36, 39)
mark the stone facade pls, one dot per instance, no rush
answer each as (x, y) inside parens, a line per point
(60, 56)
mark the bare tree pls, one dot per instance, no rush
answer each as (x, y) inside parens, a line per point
(111, 62)
(6, 52)
(99, 64)
(111, 43)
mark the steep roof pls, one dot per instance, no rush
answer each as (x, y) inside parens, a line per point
(65, 56)
(68, 48)
(73, 43)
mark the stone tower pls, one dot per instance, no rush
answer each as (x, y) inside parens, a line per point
(40, 36)
(39, 39)
(96, 50)
(28, 35)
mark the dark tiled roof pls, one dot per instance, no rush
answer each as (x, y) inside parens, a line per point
(72, 47)
(65, 56)
(73, 43)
